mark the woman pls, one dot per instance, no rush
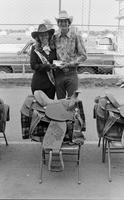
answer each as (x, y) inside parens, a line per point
(41, 59)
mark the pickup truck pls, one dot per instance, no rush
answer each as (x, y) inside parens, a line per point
(17, 61)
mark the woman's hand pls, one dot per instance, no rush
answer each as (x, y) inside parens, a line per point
(46, 67)
(53, 66)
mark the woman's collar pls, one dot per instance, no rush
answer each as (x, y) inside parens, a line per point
(46, 49)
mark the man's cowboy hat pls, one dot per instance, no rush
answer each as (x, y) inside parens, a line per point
(64, 15)
(42, 28)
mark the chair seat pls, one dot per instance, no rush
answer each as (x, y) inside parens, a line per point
(117, 144)
(67, 147)
(70, 147)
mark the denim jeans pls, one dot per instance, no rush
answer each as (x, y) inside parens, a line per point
(66, 83)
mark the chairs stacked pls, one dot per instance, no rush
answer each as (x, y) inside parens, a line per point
(109, 117)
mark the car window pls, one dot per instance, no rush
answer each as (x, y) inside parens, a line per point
(104, 41)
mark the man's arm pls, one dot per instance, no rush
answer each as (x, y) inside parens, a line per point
(80, 50)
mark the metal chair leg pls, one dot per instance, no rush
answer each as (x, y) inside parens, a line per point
(5, 138)
(78, 158)
(109, 162)
(61, 160)
(103, 150)
(44, 158)
(99, 142)
(50, 160)
(41, 165)
(78, 163)
(104, 146)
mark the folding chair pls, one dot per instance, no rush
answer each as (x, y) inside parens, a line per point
(110, 128)
(68, 146)
(112, 144)
(56, 122)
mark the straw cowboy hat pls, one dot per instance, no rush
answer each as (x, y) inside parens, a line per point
(64, 15)
(42, 28)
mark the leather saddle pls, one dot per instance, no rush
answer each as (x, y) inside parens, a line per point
(57, 128)
(31, 104)
(115, 106)
(55, 114)
(58, 112)
(107, 112)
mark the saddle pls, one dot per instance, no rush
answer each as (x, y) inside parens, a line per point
(58, 118)
(108, 112)
(57, 128)
(31, 104)
(58, 112)
(56, 131)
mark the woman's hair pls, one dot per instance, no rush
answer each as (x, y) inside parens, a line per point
(38, 39)
(49, 39)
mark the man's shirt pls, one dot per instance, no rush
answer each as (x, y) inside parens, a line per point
(69, 47)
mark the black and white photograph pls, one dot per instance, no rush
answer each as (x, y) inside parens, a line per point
(62, 99)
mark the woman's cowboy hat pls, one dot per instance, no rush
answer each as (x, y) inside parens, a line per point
(42, 28)
(64, 15)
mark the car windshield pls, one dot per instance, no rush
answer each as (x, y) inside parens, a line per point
(105, 41)
(11, 48)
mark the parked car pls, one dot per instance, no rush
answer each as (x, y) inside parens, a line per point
(16, 60)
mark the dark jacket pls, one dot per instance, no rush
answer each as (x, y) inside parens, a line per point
(40, 78)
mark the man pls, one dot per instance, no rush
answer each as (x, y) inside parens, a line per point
(70, 51)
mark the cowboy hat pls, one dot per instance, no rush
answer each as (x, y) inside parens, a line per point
(64, 15)
(42, 28)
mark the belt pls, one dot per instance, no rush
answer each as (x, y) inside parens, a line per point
(66, 70)
(69, 69)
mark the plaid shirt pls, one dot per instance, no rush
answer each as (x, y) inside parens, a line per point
(70, 47)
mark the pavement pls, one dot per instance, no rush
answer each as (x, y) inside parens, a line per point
(19, 175)
(20, 161)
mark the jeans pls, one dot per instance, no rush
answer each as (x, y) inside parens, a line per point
(66, 83)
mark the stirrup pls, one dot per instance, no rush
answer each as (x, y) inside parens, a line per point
(55, 168)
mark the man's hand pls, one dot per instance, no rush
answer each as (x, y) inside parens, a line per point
(67, 64)
(62, 65)
(70, 64)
